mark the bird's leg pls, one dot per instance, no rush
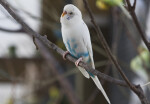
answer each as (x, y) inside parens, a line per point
(64, 55)
(78, 61)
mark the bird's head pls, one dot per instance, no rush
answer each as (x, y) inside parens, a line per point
(70, 14)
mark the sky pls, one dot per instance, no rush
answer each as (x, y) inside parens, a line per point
(24, 43)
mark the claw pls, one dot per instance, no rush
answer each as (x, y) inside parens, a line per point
(64, 55)
(78, 61)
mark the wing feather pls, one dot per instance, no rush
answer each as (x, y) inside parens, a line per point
(88, 45)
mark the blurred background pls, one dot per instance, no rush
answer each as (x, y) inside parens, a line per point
(27, 78)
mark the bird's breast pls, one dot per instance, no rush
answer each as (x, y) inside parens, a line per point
(73, 40)
(77, 48)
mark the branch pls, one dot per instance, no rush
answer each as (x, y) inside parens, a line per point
(137, 90)
(54, 65)
(17, 31)
(12, 31)
(51, 61)
(51, 45)
(92, 97)
(57, 49)
(131, 10)
(134, 5)
(105, 45)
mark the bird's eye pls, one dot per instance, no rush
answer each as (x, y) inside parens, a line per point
(71, 13)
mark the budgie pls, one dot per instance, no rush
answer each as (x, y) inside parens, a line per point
(76, 38)
(103, 5)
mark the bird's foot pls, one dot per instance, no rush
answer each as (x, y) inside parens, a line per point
(78, 61)
(64, 55)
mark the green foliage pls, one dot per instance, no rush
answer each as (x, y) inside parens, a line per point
(105, 4)
(142, 58)
(113, 2)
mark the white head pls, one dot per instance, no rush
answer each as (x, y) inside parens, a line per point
(71, 14)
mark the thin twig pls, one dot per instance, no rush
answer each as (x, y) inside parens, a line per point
(57, 49)
(138, 91)
(92, 97)
(131, 10)
(18, 31)
(60, 51)
(134, 5)
(135, 46)
(35, 43)
(52, 63)
(104, 43)
(12, 31)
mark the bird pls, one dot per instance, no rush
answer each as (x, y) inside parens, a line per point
(76, 37)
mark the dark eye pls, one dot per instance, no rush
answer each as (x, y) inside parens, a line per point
(71, 13)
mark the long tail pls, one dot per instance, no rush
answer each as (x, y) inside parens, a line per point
(84, 72)
(96, 81)
(98, 84)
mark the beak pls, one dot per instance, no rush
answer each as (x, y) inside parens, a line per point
(64, 13)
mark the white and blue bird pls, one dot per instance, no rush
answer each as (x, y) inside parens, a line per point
(76, 38)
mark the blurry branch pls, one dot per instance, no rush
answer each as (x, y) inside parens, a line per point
(51, 45)
(131, 10)
(146, 84)
(51, 61)
(99, 49)
(71, 72)
(92, 97)
(43, 39)
(135, 46)
(57, 49)
(47, 23)
(134, 4)
(12, 31)
(136, 89)
(117, 30)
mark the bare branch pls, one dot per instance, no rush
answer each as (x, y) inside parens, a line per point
(137, 90)
(17, 31)
(92, 97)
(105, 45)
(12, 31)
(54, 66)
(57, 49)
(46, 54)
(35, 43)
(134, 5)
(131, 10)
(51, 45)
